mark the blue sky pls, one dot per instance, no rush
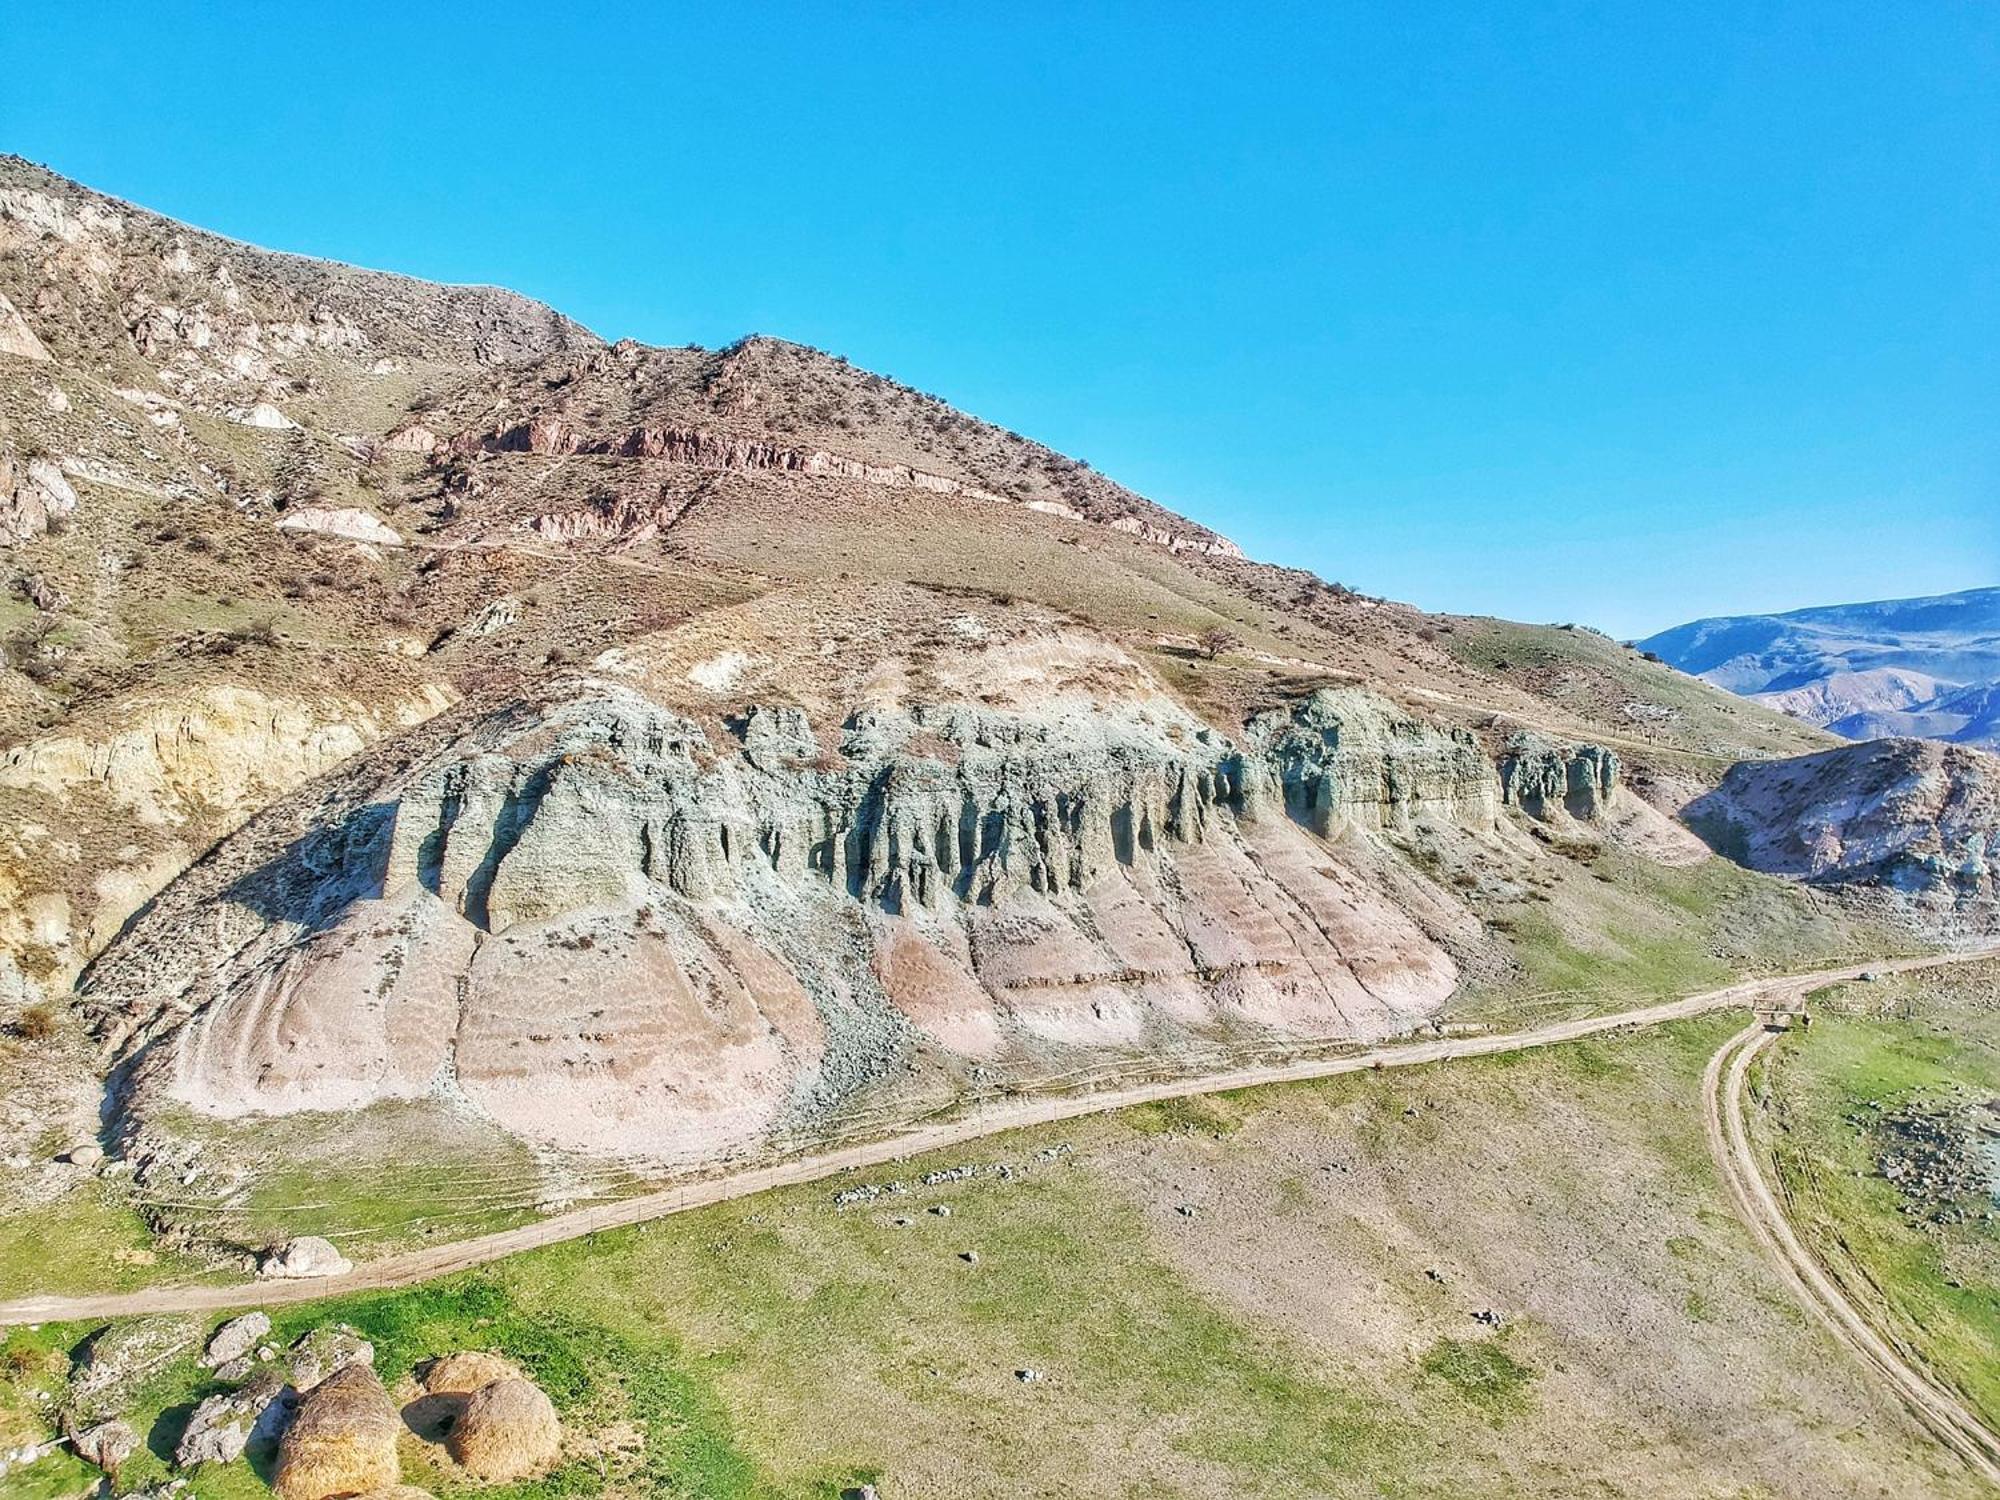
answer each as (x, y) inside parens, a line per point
(1621, 314)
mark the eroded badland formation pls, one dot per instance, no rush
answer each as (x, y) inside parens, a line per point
(659, 755)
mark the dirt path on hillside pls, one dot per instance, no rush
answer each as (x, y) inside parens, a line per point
(1729, 1139)
(981, 1118)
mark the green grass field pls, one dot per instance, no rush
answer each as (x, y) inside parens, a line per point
(1922, 1040)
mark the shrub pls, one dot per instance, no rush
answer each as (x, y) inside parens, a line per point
(37, 1023)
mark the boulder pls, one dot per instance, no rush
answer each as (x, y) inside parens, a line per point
(223, 1425)
(306, 1256)
(107, 1444)
(33, 497)
(316, 1355)
(236, 1338)
(345, 522)
(263, 414)
(16, 337)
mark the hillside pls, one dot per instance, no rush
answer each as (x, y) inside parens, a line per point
(454, 769)
(905, 748)
(1927, 668)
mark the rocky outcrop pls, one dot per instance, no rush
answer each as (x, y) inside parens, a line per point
(221, 749)
(608, 518)
(16, 337)
(344, 522)
(1915, 816)
(158, 783)
(301, 1258)
(610, 933)
(716, 450)
(1350, 758)
(34, 496)
(1545, 780)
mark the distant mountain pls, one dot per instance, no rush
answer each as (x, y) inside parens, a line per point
(1928, 667)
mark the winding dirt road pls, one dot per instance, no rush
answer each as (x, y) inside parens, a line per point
(1723, 1103)
(984, 1118)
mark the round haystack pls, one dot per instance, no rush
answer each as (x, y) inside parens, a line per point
(462, 1374)
(342, 1440)
(395, 1492)
(508, 1430)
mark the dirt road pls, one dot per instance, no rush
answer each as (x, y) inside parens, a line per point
(1728, 1137)
(983, 1118)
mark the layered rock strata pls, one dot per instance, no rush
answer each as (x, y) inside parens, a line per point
(1915, 816)
(614, 935)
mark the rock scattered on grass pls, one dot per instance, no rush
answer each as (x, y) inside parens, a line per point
(107, 1445)
(236, 1338)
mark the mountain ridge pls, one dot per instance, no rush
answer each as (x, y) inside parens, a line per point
(1914, 666)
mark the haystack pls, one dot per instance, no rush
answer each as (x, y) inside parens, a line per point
(395, 1492)
(508, 1430)
(462, 1374)
(342, 1440)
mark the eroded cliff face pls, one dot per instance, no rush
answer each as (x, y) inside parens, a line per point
(1914, 816)
(1547, 780)
(155, 787)
(615, 935)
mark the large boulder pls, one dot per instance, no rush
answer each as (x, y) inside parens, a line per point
(34, 496)
(306, 1256)
(16, 337)
(345, 522)
(223, 1425)
(107, 1444)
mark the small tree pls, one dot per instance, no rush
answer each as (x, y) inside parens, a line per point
(1218, 639)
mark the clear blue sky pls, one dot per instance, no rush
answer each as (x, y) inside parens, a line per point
(1622, 314)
